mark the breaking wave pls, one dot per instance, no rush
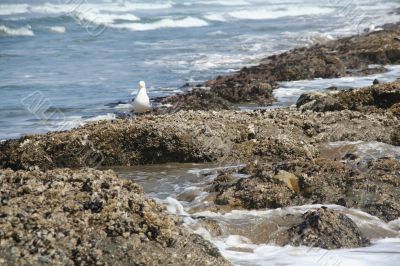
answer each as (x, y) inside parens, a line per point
(24, 31)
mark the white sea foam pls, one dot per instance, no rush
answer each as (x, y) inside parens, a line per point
(361, 218)
(99, 14)
(66, 123)
(370, 150)
(267, 13)
(57, 29)
(378, 150)
(102, 19)
(216, 33)
(110, 18)
(395, 225)
(108, 116)
(308, 38)
(382, 252)
(264, 13)
(289, 92)
(48, 8)
(338, 144)
(207, 61)
(11, 9)
(124, 106)
(266, 254)
(175, 207)
(188, 22)
(215, 17)
(264, 213)
(211, 61)
(70, 122)
(214, 170)
(224, 3)
(358, 15)
(23, 31)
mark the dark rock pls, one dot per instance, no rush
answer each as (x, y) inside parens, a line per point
(206, 99)
(257, 193)
(222, 182)
(350, 156)
(325, 228)
(376, 82)
(341, 202)
(197, 99)
(319, 102)
(94, 205)
(395, 137)
(333, 88)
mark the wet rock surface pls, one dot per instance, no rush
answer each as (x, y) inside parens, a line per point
(371, 186)
(324, 228)
(375, 98)
(198, 136)
(88, 217)
(207, 98)
(344, 57)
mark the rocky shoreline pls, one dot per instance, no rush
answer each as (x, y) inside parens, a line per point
(55, 208)
(350, 56)
(198, 136)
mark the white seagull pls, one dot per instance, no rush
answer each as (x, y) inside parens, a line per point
(141, 104)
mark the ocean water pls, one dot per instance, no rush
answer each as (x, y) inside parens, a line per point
(66, 62)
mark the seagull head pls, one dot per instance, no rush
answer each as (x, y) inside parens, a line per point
(142, 85)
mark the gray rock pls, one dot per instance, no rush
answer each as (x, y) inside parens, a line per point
(319, 102)
(326, 229)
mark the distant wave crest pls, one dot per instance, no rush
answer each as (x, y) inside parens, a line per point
(102, 19)
(48, 8)
(188, 22)
(57, 29)
(259, 14)
(23, 31)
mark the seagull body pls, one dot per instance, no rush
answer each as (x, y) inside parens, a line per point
(141, 104)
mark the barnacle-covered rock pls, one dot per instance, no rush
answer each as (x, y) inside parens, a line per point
(89, 217)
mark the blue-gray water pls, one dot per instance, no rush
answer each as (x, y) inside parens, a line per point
(63, 62)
